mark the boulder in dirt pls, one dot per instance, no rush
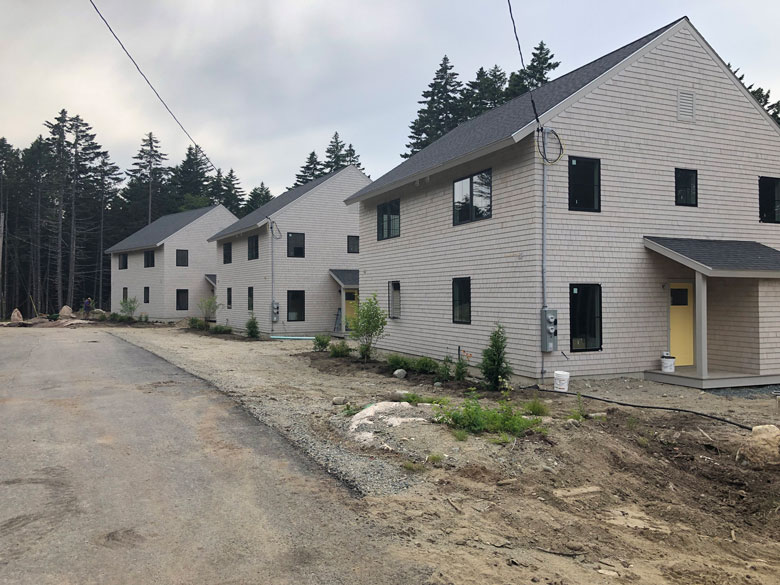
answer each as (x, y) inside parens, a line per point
(66, 312)
(762, 446)
(397, 395)
(400, 373)
(339, 400)
(16, 316)
(96, 312)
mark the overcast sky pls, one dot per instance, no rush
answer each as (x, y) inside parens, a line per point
(259, 84)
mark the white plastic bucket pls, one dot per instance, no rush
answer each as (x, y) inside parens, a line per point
(561, 381)
(667, 364)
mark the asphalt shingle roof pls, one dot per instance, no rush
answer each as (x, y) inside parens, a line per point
(500, 123)
(160, 229)
(349, 278)
(258, 215)
(723, 254)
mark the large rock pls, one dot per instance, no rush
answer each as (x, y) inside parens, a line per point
(16, 316)
(66, 312)
(400, 373)
(762, 446)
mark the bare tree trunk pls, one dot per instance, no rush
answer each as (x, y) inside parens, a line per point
(99, 296)
(58, 260)
(72, 247)
(2, 266)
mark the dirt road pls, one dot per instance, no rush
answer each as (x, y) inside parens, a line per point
(117, 467)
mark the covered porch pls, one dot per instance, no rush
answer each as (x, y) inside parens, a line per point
(349, 286)
(730, 317)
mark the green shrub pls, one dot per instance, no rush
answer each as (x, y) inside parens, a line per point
(494, 366)
(425, 365)
(472, 417)
(536, 407)
(460, 434)
(444, 371)
(397, 362)
(113, 317)
(143, 318)
(208, 307)
(321, 342)
(128, 307)
(501, 439)
(368, 326)
(100, 317)
(221, 329)
(435, 459)
(413, 467)
(252, 330)
(461, 369)
(199, 324)
(415, 399)
(53, 316)
(340, 349)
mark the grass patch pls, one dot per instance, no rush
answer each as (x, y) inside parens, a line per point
(413, 466)
(435, 459)
(579, 412)
(415, 399)
(340, 349)
(221, 329)
(536, 407)
(351, 410)
(643, 442)
(501, 439)
(460, 434)
(472, 417)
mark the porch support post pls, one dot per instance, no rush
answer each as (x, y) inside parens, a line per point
(700, 335)
(343, 311)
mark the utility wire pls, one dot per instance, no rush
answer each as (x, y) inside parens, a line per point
(149, 83)
(522, 62)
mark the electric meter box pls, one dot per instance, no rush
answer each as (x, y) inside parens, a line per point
(549, 330)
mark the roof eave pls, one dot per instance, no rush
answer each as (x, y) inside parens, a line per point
(134, 249)
(259, 224)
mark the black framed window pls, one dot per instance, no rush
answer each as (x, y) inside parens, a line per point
(123, 262)
(388, 220)
(296, 245)
(149, 259)
(394, 299)
(227, 253)
(584, 184)
(182, 299)
(229, 298)
(182, 257)
(461, 300)
(252, 247)
(769, 199)
(353, 244)
(124, 293)
(472, 197)
(146, 295)
(686, 187)
(585, 317)
(296, 305)
(250, 298)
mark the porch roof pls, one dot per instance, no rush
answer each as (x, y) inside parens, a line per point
(719, 258)
(346, 278)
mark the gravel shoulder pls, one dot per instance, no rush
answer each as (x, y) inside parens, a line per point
(628, 496)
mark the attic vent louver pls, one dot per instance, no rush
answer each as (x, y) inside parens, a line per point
(686, 106)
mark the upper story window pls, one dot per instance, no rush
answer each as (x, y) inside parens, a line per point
(388, 220)
(585, 317)
(227, 253)
(472, 197)
(584, 184)
(353, 244)
(686, 187)
(252, 247)
(296, 245)
(149, 259)
(182, 257)
(769, 199)
(123, 262)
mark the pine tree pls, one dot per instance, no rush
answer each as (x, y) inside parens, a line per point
(216, 188)
(441, 111)
(189, 182)
(533, 76)
(311, 169)
(352, 157)
(335, 154)
(258, 197)
(60, 149)
(232, 193)
(762, 96)
(148, 181)
(108, 179)
(485, 92)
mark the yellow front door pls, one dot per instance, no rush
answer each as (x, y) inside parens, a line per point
(681, 323)
(350, 302)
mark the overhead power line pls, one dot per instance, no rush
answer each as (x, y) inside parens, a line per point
(149, 83)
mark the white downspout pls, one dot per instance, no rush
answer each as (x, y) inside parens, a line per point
(544, 231)
(271, 233)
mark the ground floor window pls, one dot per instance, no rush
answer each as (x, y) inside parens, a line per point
(585, 317)
(394, 299)
(146, 295)
(461, 300)
(229, 298)
(250, 298)
(124, 293)
(296, 305)
(182, 299)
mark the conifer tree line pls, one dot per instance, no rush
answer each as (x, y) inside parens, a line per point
(337, 156)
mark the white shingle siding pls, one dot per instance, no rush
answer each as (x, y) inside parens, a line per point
(326, 221)
(631, 124)
(166, 277)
